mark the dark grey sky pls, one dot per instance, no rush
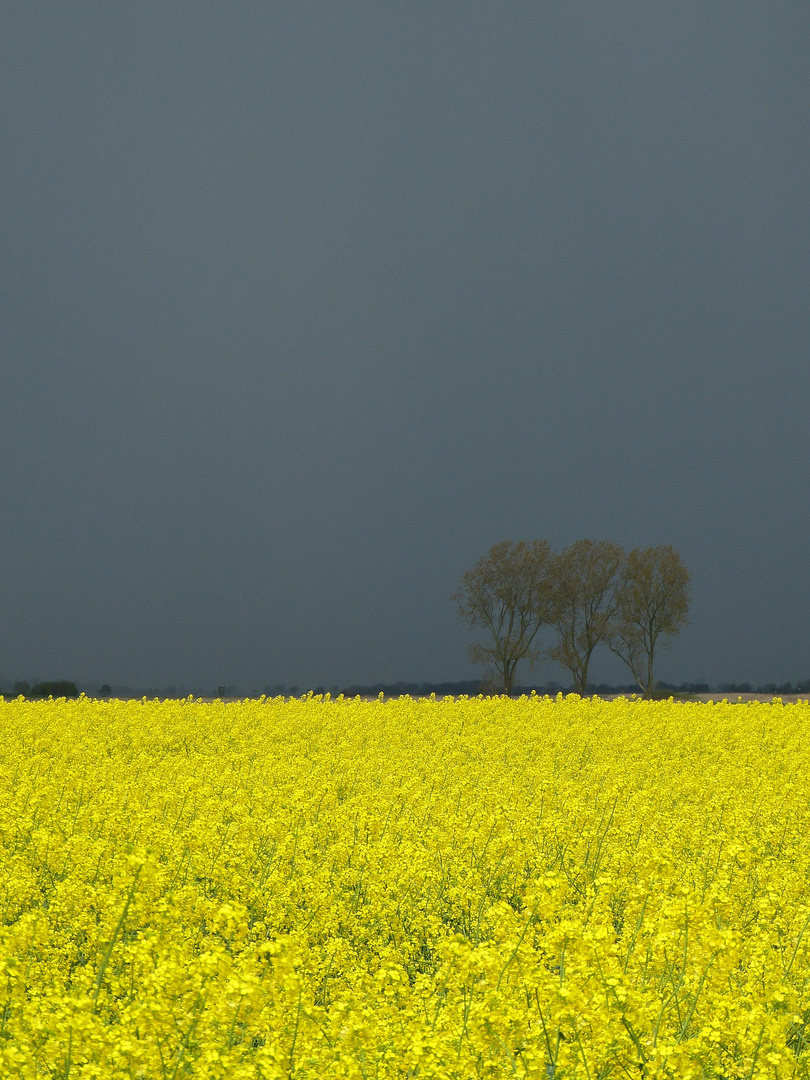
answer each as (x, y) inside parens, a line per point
(305, 305)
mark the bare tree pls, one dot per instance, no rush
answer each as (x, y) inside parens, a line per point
(653, 599)
(507, 594)
(586, 577)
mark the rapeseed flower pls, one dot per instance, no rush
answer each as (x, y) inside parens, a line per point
(457, 888)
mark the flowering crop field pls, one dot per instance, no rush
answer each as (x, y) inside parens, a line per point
(417, 888)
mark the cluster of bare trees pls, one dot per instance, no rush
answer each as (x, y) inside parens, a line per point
(592, 593)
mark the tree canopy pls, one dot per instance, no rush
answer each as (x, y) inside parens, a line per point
(591, 593)
(585, 577)
(653, 600)
(508, 594)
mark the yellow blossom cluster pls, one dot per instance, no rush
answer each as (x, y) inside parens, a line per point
(474, 887)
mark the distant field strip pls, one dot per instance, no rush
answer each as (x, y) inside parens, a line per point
(416, 888)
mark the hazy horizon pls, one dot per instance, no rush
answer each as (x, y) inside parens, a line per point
(403, 687)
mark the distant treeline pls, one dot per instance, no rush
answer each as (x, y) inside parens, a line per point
(471, 687)
(61, 688)
(475, 687)
(802, 687)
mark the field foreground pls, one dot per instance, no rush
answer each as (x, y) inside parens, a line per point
(417, 888)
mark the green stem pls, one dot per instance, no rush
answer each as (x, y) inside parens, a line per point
(108, 951)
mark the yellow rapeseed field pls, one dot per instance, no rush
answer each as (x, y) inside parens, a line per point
(416, 888)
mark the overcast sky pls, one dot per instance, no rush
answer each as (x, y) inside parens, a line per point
(306, 305)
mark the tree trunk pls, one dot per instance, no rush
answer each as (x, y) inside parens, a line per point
(508, 678)
(583, 681)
